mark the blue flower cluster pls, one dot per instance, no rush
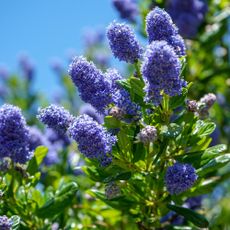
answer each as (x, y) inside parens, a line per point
(179, 178)
(123, 42)
(127, 9)
(55, 117)
(14, 134)
(121, 97)
(161, 71)
(93, 139)
(93, 86)
(159, 26)
(90, 111)
(5, 223)
(188, 15)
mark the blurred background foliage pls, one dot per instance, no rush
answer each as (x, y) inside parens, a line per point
(207, 67)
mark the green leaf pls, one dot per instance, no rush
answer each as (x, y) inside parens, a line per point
(125, 84)
(137, 86)
(214, 164)
(118, 176)
(39, 154)
(139, 152)
(203, 128)
(15, 222)
(92, 173)
(177, 101)
(199, 158)
(111, 122)
(61, 200)
(213, 151)
(190, 215)
(124, 141)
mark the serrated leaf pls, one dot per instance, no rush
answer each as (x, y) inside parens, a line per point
(190, 215)
(39, 154)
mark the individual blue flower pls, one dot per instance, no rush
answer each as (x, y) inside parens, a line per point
(127, 9)
(123, 42)
(5, 223)
(14, 134)
(161, 72)
(94, 141)
(179, 178)
(159, 25)
(55, 117)
(94, 87)
(188, 15)
(90, 111)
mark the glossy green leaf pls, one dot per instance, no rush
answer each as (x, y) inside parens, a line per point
(39, 154)
(15, 222)
(203, 128)
(61, 200)
(214, 164)
(137, 86)
(197, 219)
(111, 122)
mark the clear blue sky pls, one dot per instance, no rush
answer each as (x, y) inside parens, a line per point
(47, 28)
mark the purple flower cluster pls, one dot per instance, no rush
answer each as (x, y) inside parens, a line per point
(55, 117)
(159, 26)
(188, 15)
(93, 139)
(123, 42)
(161, 71)
(14, 134)
(147, 134)
(121, 97)
(179, 178)
(94, 87)
(127, 9)
(5, 223)
(90, 111)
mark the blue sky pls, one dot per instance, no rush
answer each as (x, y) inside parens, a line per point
(45, 29)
